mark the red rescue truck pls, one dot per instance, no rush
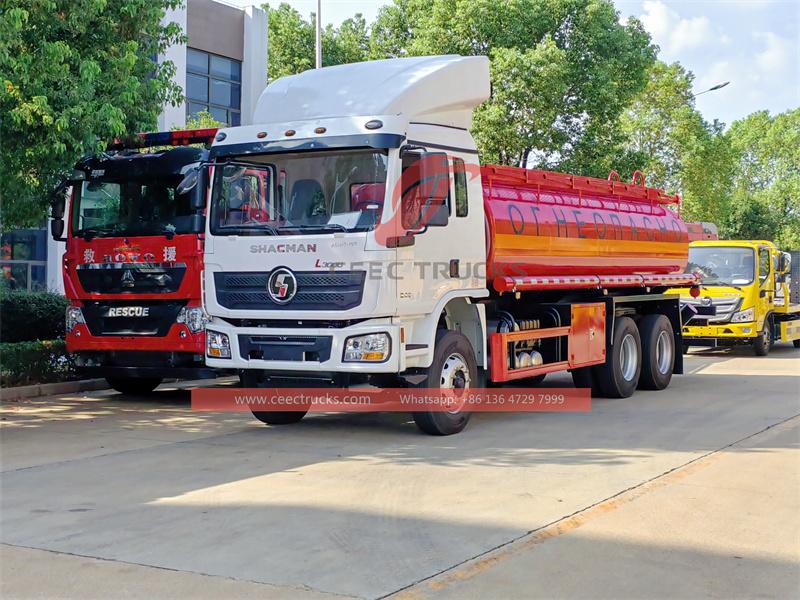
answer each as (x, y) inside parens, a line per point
(134, 259)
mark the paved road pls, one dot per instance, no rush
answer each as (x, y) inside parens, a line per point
(694, 491)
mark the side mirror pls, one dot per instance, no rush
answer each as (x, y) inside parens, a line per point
(784, 263)
(197, 223)
(57, 229)
(425, 184)
(189, 182)
(58, 199)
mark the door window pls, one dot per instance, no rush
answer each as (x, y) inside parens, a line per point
(763, 264)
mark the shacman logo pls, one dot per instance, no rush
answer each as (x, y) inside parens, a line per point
(282, 248)
(282, 286)
(128, 311)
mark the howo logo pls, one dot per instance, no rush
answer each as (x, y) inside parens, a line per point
(282, 286)
(128, 311)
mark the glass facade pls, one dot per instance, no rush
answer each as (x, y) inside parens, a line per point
(213, 83)
(23, 259)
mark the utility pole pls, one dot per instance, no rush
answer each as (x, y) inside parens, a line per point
(319, 34)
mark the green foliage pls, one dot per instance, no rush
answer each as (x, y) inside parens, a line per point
(201, 120)
(676, 149)
(765, 200)
(27, 363)
(26, 316)
(74, 73)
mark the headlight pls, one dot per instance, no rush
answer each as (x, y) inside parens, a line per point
(744, 316)
(194, 318)
(217, 345)
(73, 317)
(374, 347)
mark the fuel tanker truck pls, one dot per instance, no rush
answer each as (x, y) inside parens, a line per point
(352, 236)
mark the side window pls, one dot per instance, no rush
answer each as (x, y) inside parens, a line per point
(460, 179)
(763, 264)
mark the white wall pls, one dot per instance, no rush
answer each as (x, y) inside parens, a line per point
(175, 115)
(254, 66)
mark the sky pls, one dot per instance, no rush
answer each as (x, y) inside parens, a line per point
(753, 44)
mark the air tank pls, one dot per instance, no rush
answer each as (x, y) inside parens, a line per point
(541, 223)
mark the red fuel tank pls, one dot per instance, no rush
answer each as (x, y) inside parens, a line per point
(545, 223)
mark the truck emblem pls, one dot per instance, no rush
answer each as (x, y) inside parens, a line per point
(128, 279)
(706, 301)
(281, 286)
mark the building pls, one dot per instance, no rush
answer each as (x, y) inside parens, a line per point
(221, 68)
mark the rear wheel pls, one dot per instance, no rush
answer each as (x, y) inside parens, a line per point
(453, 366)
(584, 377)
(763, 342)
(255, 379)
(619, 375)
(134, 386)
(796, 343)
(658, 352)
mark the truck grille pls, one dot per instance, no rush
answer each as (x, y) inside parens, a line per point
(156, 322)
(725, 307)
(131, 278)
(315, 291)
(283, 347)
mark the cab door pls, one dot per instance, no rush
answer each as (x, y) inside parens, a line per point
(766, 283)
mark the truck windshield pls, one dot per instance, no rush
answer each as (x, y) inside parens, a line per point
(299, 193)
(110, 207)
(722, 265)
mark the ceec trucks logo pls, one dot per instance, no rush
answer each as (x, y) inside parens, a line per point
(281, 286)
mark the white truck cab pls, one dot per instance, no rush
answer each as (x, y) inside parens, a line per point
(309, 269)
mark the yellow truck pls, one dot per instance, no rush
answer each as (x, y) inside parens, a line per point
(750, 294)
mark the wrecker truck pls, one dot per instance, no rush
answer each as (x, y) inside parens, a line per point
(753, 289)
(133, 261)
(375, 248)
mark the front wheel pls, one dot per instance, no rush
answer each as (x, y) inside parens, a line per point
(453, 366)
(134, 386)
(763, 342)
(255, 379)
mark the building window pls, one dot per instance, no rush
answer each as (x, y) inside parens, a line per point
(214, 84)
(23, 259)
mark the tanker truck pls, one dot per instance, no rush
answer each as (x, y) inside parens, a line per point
(376, 249)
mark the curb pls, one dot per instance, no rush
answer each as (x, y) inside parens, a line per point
(52, 389)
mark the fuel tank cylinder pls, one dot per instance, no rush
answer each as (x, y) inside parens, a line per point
(543, 223)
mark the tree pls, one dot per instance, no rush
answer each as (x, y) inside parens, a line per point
(667, 139)
(292, 45)
(74, 73)
(766, 190)
(562, 71)
(201, 120)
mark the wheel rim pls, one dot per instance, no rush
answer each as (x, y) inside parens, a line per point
(663, 352)
(455, 375)
(629, 357)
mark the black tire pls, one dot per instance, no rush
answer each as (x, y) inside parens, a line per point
(534, 381)
(609, 376)
(448, 344)
(255, 379)
(685, 348)
(763, 343)
(796, 343)
(658, 352)
(134, 386)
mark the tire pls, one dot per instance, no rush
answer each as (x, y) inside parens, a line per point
(619, 375)
(134, 386)
(763, 342)
(255, 379)
(658, 352)
(685, 348)
(534, 381)
(796, 343)
(453, 366)
(583, 377)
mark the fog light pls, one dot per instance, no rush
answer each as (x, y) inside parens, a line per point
(746, 330)
(217, 345)
(374, 347)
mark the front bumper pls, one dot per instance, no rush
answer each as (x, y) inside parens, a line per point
(726, 332)
(328, 345)
(112, 363)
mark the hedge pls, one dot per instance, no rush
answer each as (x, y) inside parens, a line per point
(27, 316)
(27, 363)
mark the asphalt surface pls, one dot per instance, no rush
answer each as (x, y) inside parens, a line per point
(689, 492)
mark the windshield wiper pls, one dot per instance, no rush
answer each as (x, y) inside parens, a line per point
(320, 227)
(271, 229)
(88, 233)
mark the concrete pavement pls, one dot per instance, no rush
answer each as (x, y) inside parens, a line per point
(146, 495)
